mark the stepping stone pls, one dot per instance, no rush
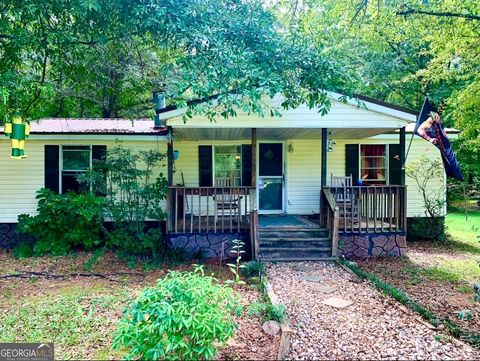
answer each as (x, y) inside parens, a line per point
(337, 302)
(323, 289)
(302, 268)
(311, 278)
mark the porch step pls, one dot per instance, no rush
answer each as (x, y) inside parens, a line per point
(279, 253)
(294, 242)
(296, 233)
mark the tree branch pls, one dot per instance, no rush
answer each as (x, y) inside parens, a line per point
(447, 14)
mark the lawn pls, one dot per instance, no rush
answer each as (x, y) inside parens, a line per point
(440, 275)
(79, 313)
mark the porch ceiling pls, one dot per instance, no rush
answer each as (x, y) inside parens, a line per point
(202, 134)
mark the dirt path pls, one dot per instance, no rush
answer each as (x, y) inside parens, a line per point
(373, 327)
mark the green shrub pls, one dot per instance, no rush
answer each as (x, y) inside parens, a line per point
(268, 311)
(23, 250)
(134, 190)
(253, 269)
(64, 221)
(186, 316)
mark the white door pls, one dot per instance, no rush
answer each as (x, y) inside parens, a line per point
(271, 180)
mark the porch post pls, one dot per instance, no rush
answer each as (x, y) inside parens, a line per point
(402, 155)
(402, 178)
(323, 173)
(171, 197)
(324, 157)
(254, 157)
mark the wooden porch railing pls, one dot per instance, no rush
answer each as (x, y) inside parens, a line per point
(330, 219)
(209, 209)
(370, 208)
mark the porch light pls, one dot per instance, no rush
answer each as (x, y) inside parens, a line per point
(330, 145)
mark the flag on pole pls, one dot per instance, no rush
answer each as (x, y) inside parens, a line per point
(430, 127)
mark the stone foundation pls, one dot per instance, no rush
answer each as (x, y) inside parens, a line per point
(9, 238)
(208, 245)
(372, 245)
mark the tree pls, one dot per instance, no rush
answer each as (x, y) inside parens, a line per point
(91, 58)
(402, 51)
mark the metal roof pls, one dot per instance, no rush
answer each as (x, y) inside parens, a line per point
(95, 126)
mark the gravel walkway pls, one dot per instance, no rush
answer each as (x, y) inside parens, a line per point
(373, 327)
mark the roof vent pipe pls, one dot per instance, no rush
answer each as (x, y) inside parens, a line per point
(158, 104)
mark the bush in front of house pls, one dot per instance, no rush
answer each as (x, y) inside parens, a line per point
(64, 222)
(186, 316)
(134, 190)
(127, 189)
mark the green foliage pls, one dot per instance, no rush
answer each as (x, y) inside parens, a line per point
(23, 250)
(186, 316)
(476, 290)
(64, 222)
(237, 250)
(252, 269)
(268, 311)
(105, 59)
(133, 188)
(94, 259)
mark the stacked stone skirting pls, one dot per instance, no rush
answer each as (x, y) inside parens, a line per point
(9, 238)
(372, 245)
(208, 245)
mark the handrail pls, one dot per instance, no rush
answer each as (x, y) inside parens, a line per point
(330, 199)
(331, 210)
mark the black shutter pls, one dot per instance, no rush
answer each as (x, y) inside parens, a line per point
(205, 165)
(352, 161)
(246, 165)
(52, 167)
(394, 164)
(98, 152)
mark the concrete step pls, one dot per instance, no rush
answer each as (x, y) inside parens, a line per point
(294, 243)
(277, 253)
(293, 259)
(293, 233)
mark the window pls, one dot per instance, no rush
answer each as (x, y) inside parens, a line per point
(373, 164)
(75, 160)
(228, 165)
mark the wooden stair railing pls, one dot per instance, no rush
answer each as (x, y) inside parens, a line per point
(329, 218)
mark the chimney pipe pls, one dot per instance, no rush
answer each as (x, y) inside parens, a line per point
(158, 104)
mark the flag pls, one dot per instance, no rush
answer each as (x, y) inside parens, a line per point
(430, 127)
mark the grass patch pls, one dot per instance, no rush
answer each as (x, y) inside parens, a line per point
(399, 295)
(74, 320)
(462, 234)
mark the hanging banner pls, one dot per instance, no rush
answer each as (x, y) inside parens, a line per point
(430, 127)
(17, 130)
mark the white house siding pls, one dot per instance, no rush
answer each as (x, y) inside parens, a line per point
(419, 147)
(21, 179)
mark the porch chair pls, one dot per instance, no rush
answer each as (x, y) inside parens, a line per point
(227, 204)
(344, 197)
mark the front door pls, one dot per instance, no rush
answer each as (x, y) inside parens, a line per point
(270, 178)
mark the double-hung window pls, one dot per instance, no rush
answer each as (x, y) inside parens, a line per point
(75, 160)
(373, 163)
(228, 165)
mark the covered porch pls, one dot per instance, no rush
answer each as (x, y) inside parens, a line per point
(282, 166)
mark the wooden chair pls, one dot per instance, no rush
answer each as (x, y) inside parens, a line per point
(227, 204)
(344, 197)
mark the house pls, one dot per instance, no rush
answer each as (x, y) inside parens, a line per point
(265, 180)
